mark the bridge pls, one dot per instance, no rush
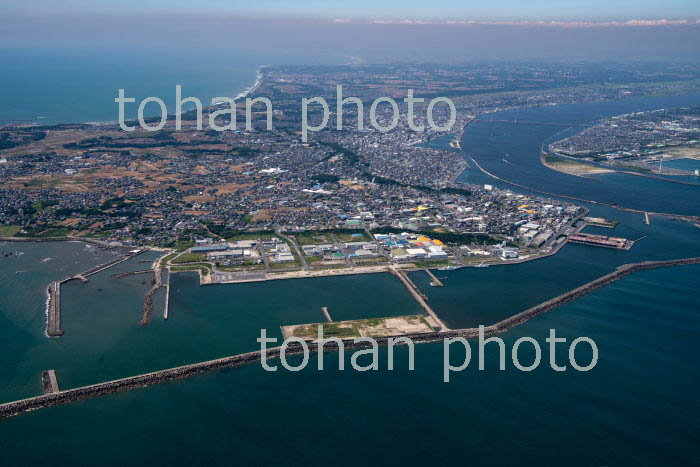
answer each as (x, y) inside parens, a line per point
(525, 122)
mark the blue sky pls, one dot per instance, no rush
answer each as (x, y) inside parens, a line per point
(480, 10)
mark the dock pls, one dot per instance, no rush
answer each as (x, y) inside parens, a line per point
(435, 282)
(326, 314)
(601, 241)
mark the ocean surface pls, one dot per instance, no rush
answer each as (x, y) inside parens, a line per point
(638, 406)
(48, 86)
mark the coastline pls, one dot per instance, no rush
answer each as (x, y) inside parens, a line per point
(250, 89)
(98, 123)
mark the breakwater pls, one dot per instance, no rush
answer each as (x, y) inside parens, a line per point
(167, 295)
(148, 299)
(434, 281)
(53, 311)
(49, 382)
(53, 306)
(420, 298)
(58, 239)
(100, 389)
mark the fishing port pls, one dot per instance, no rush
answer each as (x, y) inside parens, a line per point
(100, 389)
(53, 306)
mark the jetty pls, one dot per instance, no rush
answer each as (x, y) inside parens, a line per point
(167, 295)
(109, 387)
(53, 313)
(435, 282)
(420, 298)
(326, 314)
(148, 299)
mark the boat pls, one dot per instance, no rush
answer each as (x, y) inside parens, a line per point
(482, 265)
(448, 268)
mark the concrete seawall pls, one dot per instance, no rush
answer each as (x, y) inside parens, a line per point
(100, 389)
(53, 314)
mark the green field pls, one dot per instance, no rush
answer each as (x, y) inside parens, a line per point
(167, 258)
(374, 327)
(205, 269)
(54, 232)
(189, 258)
(310, 238)
(348, 236)
(9, 230)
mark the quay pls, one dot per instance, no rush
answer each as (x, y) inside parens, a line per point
(100, 389)
(602, 241)
(435, 282)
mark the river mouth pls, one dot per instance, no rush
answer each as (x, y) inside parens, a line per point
(510, 146)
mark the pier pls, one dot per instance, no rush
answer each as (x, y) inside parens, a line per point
(435, 282)
(326, 314)
(100, 389)
(109, 264)
(148, 299)
(53, 314)
(167, 295)
(420, 298)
